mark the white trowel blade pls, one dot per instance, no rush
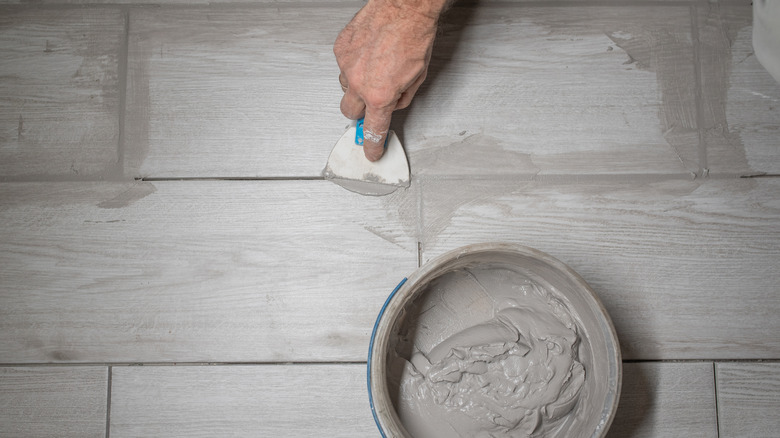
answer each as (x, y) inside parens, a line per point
(348, 166)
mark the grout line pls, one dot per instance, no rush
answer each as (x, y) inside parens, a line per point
(124, 51)
(761, 175)
(578, 4)
(234, 178)
(698, 96)
(709, 360)
(327, 363)
(717, 410)
(173, 364)
(108, 403)
(551, 180)
(196, 5)
(229, 364)
(571, 178)
(227, 5)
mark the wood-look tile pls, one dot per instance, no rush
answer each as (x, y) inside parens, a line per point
(234, 91)
(666, 399)
(182, 3)
(748, 399)
(356, 2)
(59, 92)
(740, 99)
(657, 400)
(686, 269)
(53, 402)
(557, 90)
(251, 92)
(265, 400)
(228, 271)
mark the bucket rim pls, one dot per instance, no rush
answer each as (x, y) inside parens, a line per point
(452, 256)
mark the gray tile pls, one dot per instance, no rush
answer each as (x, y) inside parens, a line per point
(265, 400)
(557, 90)
(59, 94)
(686, 269)
(53, 402)
(666, 399)
(740, 100)
(240, 91)
(252, 92)
(748, 399)
(229, 271)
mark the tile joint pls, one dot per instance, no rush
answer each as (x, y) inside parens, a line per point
(108, 403)
(717, 409)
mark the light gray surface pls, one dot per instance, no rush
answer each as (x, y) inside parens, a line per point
(740, 100)
(201, 268)
(224, 271)
(264, 400)
(748, 399)
(559, 90)
(658, 400)
(226, 92)
(273, 2)
(53, 402)
(59, 92)
(609, 135)
(666, 399)
(686, 269)
(563, 91)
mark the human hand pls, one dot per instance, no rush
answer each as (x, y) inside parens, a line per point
(383, 55)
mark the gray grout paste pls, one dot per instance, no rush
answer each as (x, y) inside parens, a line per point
(488, 352)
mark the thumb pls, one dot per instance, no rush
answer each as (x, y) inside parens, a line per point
(375, 128)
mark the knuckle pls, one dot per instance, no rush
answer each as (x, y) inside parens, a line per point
(379, 98)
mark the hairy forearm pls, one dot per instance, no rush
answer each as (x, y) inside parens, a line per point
(426, 8)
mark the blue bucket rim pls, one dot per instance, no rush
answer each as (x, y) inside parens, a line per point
(371, 351)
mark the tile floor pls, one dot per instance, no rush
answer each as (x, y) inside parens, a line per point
(172, 264)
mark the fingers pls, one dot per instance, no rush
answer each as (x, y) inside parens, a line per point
(352, 105)
(343, 82)
(408, 95)
(375, 128)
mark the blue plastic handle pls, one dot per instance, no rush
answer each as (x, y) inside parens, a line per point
(359, 132)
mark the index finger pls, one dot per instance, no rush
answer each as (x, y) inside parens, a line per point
(375, 128)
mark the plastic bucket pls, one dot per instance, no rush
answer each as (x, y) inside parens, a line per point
(598, 343)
